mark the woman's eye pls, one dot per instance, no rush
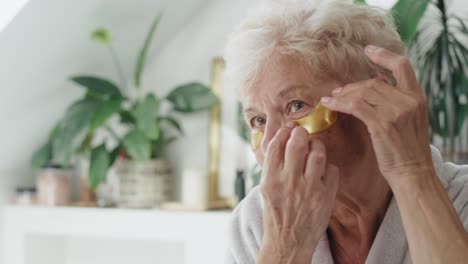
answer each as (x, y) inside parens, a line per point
(257, 122)
(296, 106)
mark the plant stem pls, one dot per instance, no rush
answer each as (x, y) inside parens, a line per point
(118, 66)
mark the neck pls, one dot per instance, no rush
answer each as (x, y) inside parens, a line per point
(362, 200)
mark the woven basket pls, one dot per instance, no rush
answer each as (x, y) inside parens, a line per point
(143, 184)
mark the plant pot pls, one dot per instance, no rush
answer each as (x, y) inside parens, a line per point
(143, 184)
(53, 186)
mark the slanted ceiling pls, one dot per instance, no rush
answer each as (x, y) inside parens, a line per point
(8, 10)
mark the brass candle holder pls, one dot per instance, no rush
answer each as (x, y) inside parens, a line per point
(215, 201)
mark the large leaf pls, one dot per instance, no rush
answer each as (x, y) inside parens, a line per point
(44, 154)
(172, 122)
(159, 144)
(461, 89)
(462, 114)
(360, 2)
(140, 64)
(41, 157)
(137, 145)
(407, 14)
(98, 87)
(104, 112)
(439, 113)
(447, 86)
(99, 164)
(145, 114)
(192, 97)
(115, 153)
(73, 130)
(86, 144)
(461, 83)
(126, 117)
(55, 131)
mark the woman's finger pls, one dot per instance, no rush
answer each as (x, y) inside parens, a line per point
(378, 94)
(275, 150)
(295, 155)
(332, 178)
(354, 104)
(373, 91)
(316, 162)
(399, 65)
(296, 152)
(274, 158)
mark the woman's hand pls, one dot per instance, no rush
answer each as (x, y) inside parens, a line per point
(299, 191)
(396, 117)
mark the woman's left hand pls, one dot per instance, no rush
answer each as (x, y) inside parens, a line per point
(396, 117)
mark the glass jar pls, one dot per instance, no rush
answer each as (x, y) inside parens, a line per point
(53, 186)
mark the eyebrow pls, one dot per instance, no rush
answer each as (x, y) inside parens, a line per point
(249, 109)
(288, 91)
(292, 89)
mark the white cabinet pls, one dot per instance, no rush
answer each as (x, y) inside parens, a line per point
(69, 235)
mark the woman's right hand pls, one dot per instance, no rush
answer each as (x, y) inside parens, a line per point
(299, 191)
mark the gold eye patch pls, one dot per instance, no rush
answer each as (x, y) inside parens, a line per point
(256, 139)
(319, 120)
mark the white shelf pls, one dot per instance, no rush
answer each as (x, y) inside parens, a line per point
(202, 234)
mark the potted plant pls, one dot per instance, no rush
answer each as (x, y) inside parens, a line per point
(440, 53)
(138, 149)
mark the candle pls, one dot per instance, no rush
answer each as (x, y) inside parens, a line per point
(194, 187)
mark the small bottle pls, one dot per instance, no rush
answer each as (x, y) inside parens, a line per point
(240, 185)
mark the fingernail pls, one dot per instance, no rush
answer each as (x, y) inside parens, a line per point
(325, 99)
(372, 48)
(337, 91)
(290, 124)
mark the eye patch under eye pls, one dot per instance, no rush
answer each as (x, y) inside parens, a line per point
(319, 120)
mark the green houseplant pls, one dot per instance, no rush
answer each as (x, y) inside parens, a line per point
(140, 116)
(440, 53)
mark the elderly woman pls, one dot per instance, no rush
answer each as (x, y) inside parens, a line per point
(368, 188)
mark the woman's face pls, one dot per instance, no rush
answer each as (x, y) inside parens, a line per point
(285, 91)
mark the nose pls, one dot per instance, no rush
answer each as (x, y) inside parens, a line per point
(271, 127)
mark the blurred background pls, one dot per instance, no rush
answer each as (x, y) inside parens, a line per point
(119, 142)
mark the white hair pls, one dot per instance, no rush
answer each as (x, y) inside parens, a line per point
(328, 37)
